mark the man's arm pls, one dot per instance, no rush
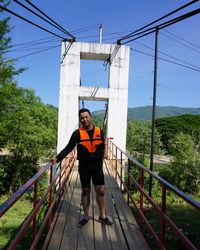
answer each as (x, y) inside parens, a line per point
(70, 146)
(104, 143)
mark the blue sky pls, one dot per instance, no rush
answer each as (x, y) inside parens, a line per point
(177, 86)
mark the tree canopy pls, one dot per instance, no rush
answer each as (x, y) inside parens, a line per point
(170, 126)
(28, 126)
(139, 139)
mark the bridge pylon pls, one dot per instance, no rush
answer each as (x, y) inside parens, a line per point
(71, 92)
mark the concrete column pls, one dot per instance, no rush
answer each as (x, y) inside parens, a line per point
(68, 96)
(116, 93)
(118, 98)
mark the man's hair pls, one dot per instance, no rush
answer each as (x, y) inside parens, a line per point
(83, 110)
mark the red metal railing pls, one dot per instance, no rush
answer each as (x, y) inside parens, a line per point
(121, 163)
(52, 195)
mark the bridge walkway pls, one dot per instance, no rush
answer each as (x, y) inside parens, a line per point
(124, 234)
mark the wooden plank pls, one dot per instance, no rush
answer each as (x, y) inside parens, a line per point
(85, 234)
(57, 234)
(94, 235)
(70, 235)
(108, 237)
(130, 229)
(101, 232)
(74, 237)
(116, 234)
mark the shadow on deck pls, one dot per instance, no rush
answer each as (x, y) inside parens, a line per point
(124, 234)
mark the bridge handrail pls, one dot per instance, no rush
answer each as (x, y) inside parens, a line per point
(187, 198)
(117, 162)
(60, 182)
(18, 194)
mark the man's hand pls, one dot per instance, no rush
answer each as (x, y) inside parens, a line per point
(53, 160)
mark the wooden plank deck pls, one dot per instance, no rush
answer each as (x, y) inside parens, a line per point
(124, 234)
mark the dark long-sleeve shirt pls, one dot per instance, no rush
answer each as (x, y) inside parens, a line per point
(75, 138)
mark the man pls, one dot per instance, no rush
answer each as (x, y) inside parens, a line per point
(90, 151)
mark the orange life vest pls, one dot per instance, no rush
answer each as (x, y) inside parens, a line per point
(90, 148)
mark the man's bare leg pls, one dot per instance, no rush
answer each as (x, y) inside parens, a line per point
(100, 196)
(85, 198)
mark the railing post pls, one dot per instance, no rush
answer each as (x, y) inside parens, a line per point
(106, 147)
(112, 151)
(112, 155)
(142, 186)
(60, 174)
(50, 193)
(65, 164)
(164, 211)
(34, 205)
(128, 181)
(115, 163)
(121, 171)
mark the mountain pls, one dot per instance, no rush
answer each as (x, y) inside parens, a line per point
(145, 113)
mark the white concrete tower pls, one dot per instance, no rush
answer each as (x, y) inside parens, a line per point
(116, 93)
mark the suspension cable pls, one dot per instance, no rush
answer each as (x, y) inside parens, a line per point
(195, 45)
(166, 54)
(30, 54)
(105, 116)
(159, 19)
(66, 51)
(164, 25)
(34, 24)
(50, 19)
(44, 19)
(166, 60)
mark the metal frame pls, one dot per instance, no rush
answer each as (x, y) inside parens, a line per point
(59, 183)
(116, 162)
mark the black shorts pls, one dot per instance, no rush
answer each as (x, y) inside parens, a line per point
(96, 175)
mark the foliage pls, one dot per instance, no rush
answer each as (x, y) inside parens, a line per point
(170, 126)
(139, 139)
(186, 163)
(10, 222)
(28, 127)
(184, 170)
(182, 214)
(7, 69)
(14, 218)
(28, 132)
(97, 121)
(186, 219)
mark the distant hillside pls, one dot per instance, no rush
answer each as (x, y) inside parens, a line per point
(145, 113)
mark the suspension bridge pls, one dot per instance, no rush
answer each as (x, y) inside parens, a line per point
(60, 201)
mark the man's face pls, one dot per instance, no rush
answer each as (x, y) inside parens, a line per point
(85, 119)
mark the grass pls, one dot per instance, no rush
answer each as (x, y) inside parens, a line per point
(11, 221)
(15, 216)
(186, 218)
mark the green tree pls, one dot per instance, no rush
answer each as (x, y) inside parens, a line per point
(8, 88)
(29, 132)
(28, 127)
(7, 69)
(186, 162)
(168, 127)
(139, 139)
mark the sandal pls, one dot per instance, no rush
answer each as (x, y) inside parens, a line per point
(105, 221)
(82, 222)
